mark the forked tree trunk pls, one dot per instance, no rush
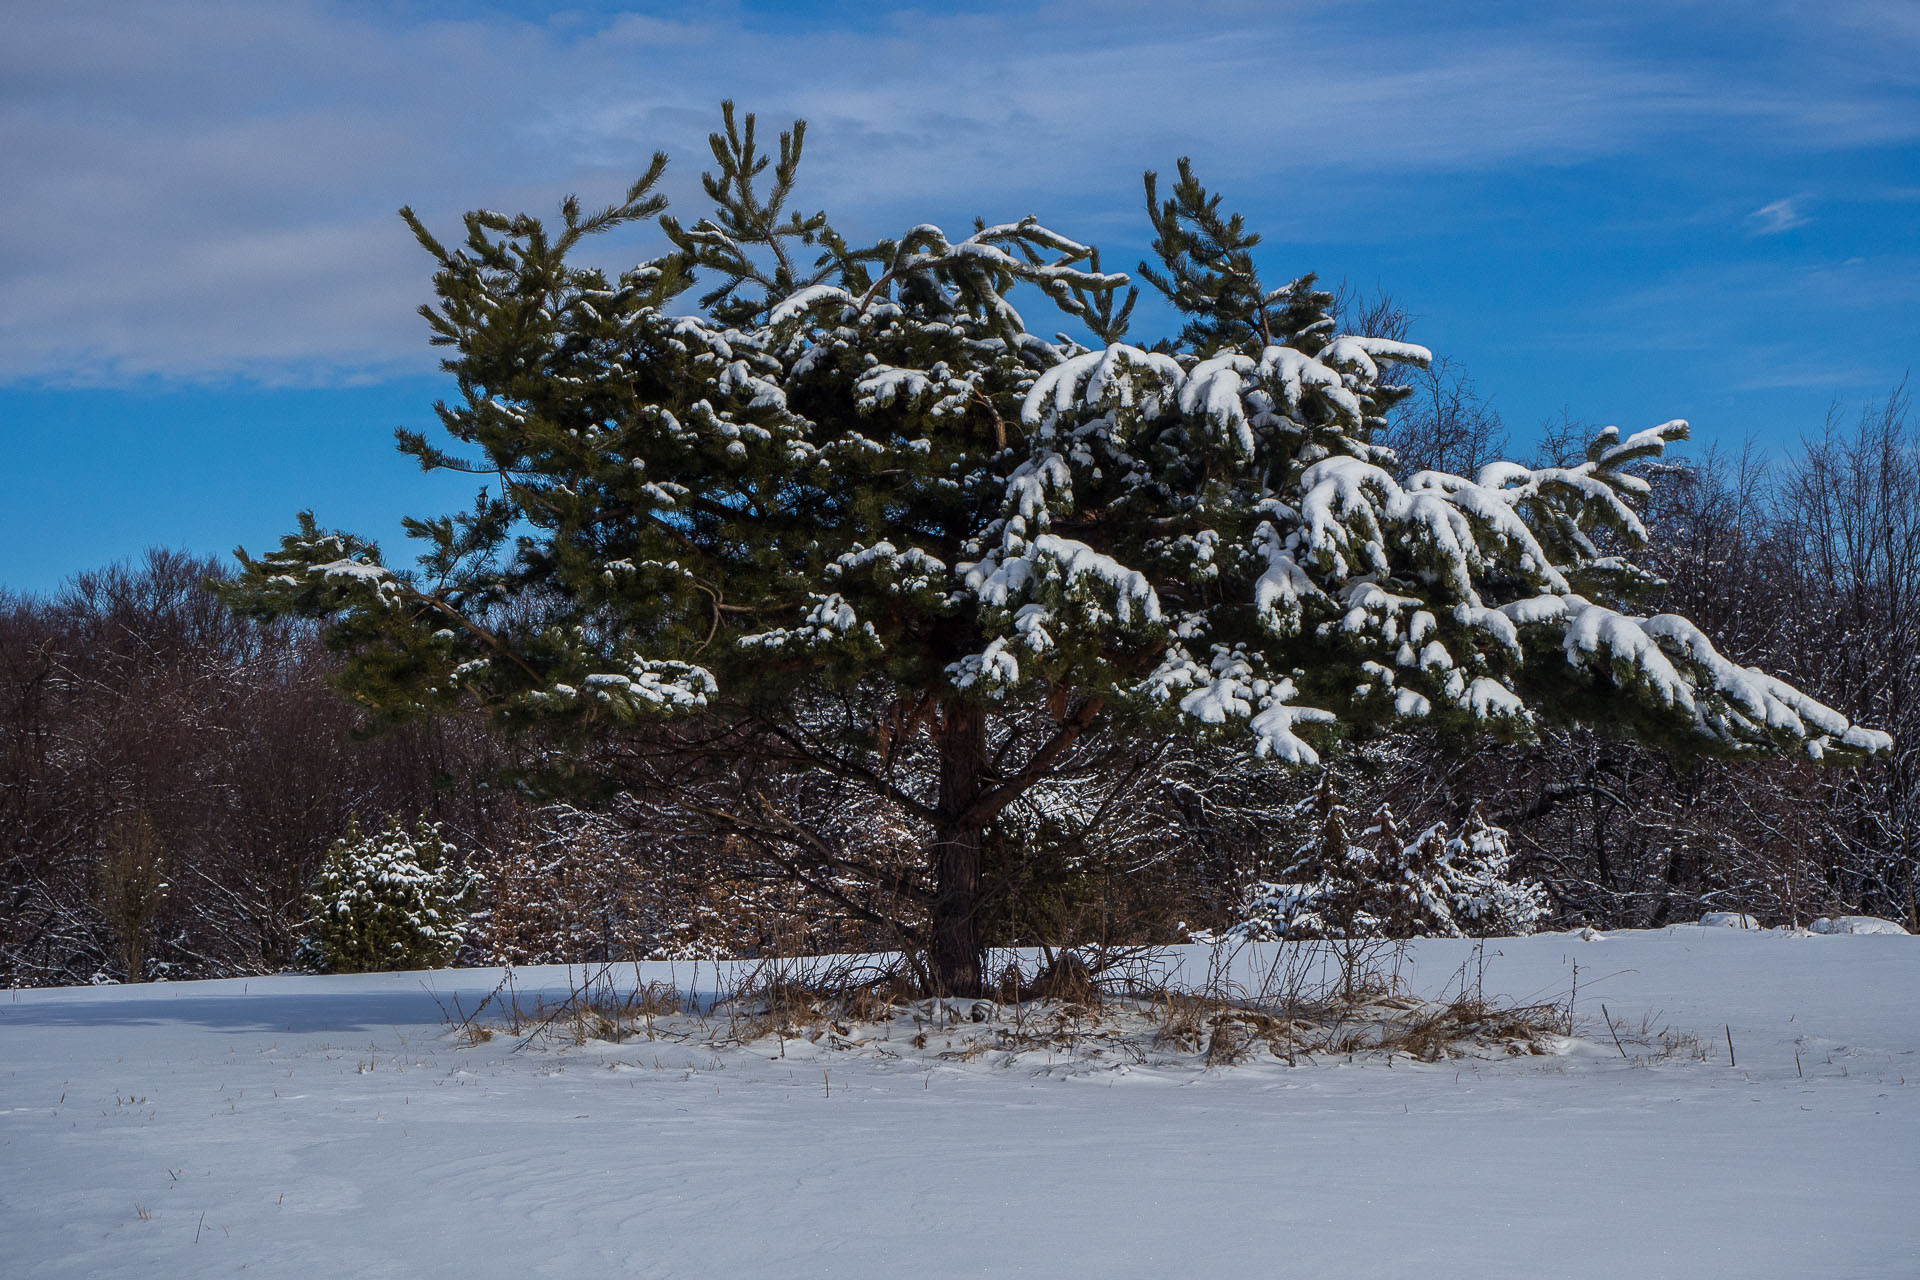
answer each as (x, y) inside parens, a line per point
(954, 951)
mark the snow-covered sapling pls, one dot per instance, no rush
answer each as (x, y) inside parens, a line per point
(392, 899)
(1382, 884)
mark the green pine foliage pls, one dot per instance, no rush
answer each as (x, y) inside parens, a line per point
(391, 899)
(1207, 271)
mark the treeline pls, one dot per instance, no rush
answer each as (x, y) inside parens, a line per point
(171, 775)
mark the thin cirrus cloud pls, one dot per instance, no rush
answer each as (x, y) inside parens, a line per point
(206, 188)
(1780, 215)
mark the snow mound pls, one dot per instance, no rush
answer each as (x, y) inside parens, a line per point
(1728, 920)
(1855, 924)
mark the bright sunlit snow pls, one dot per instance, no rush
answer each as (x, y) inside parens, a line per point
(294, 1126)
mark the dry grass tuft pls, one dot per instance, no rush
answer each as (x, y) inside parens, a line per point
(1437, 1031)
(1081, 1009)
(1067, 978)
(600, 1008)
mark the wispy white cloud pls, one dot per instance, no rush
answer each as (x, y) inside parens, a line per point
(1780, 215)
(205, 188)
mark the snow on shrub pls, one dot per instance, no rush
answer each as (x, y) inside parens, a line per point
(1486, 903)
(389, 900)
(1855, 924)
(1728, 920)
(1385, 886)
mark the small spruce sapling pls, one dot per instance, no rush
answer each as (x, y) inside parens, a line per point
(1383, 885)
(388, 900)
(1485, 900)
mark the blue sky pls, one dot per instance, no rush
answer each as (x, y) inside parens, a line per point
(1622, 214)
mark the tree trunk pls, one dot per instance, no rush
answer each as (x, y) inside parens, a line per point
(954, 951)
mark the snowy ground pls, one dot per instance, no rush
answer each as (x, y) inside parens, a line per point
(298, 1126)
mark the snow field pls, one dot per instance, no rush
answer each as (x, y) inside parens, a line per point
(289, 1125)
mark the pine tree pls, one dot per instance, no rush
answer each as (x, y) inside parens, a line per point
(859, 470)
